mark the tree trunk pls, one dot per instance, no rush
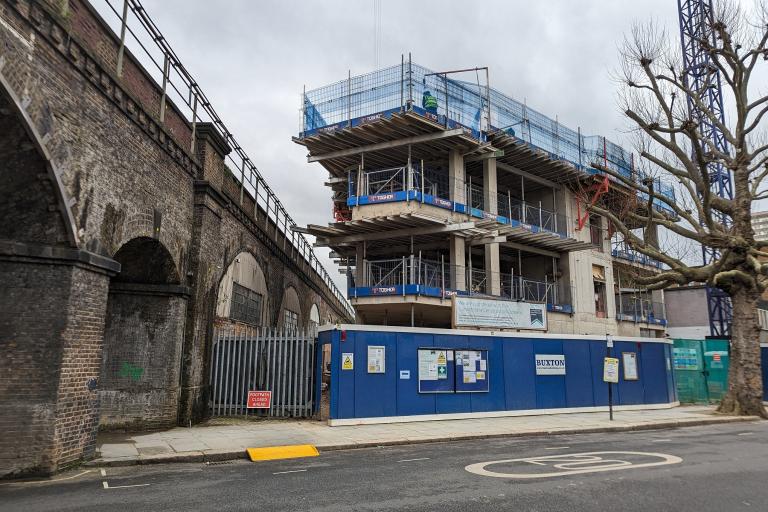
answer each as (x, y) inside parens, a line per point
(745, 379)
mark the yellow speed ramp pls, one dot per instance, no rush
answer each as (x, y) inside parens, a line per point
(292, 451)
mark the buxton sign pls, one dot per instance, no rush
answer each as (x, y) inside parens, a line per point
(550, 364)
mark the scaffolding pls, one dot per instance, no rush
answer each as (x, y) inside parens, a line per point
(475, 106)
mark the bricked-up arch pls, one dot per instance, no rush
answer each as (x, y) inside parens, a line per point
(291, 303)
(246, 272)
(143, 338)
(33, 207)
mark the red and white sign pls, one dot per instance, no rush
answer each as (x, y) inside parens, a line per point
(716, 358)
(259, 399)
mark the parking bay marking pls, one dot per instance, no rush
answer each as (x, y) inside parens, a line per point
(575, 464)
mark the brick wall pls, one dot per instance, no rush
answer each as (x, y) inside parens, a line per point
(51, 333)
(128, 176)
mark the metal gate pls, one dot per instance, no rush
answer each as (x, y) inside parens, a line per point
(248, 359)
(701, 369)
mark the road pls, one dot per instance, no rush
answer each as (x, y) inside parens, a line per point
(717, 468)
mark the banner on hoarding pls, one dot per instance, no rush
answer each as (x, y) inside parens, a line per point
(498, 314)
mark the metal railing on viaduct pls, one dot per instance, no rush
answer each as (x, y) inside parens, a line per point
(180, 91)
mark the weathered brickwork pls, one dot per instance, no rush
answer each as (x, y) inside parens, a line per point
(139, 386)
(113, 242)
(50, 365)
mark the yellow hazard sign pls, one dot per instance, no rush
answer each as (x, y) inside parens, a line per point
(347, 361)
(441, 358)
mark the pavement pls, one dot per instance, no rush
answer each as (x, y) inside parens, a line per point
(716, 468)
(228, 438)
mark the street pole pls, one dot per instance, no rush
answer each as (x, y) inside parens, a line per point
(609, 346)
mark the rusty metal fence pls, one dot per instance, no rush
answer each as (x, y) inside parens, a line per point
(254, 359)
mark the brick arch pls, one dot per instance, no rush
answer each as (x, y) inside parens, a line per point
(30, 183)
(291, 301)
(146, 260)
(238, 270)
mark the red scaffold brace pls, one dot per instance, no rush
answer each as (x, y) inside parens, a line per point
(599, 189)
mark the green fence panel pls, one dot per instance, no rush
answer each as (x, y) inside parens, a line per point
(688, 364)
(701, 370)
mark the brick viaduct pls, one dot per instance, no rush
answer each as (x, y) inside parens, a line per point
(114, 237)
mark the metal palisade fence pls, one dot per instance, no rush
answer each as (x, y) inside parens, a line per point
(247, 359)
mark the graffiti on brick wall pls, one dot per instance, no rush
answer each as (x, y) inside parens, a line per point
(132, 372)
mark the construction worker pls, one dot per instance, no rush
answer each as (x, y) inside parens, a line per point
(429, 102)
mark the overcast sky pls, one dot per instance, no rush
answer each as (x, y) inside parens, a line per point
(252, 59)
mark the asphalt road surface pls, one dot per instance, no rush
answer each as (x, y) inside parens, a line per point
(714, 468)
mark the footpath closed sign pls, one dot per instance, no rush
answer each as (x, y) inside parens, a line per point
(259, 399)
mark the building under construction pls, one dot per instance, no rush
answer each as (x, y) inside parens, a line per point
(445, 188)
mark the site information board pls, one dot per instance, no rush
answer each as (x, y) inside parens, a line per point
(471, 371)
(498, 314)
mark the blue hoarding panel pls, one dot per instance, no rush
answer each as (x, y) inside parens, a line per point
(345, 381)
(493, 399)
(519, 374)
(409, 400)
(630, 391)
(578, 374)
(598, 352)
(550, 389)
(510, 379)
(764, 360)
(382, 386)
(451, 402)
(653, 373)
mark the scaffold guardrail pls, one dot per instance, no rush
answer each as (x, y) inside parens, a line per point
(480, 109)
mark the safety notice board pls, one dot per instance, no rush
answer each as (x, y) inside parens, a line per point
(436, 370)
(471, 371)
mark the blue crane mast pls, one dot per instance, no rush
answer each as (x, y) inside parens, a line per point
(701, 76)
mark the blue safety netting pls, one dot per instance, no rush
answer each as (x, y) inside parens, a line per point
(466, 103)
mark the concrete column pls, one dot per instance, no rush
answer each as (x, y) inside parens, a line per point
(360, 279)
(491, 205)
(492, 270)
(456, 176)
(458, 266)
(490, 186)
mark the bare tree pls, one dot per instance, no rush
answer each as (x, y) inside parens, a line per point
(655, 96)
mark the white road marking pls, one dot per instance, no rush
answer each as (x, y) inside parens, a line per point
(574, 464)
(49, 481)
(557, 448)
(285, 472)
(414, 460)
(745, 434)
(107, 486)
(660, 440)
(103, 472)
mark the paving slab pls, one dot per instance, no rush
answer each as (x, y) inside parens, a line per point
(216, 442)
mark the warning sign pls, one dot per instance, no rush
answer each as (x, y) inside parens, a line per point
(259, 400)
(441, 358)
(348, 361)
